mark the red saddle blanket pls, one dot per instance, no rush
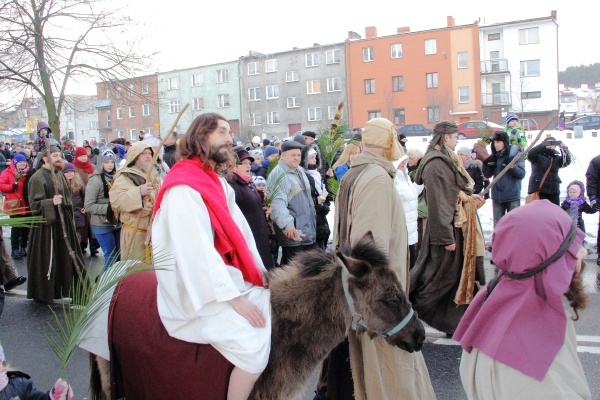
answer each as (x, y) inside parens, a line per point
(147, 363)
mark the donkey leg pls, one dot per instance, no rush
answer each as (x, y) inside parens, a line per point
(104, 369)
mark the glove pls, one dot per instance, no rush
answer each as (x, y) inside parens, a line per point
(490, 161)
(506, 161)
(15, 186)
(594, 203)
(514, 132)
(61, 390)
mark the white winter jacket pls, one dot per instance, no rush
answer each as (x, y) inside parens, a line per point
(409, 193)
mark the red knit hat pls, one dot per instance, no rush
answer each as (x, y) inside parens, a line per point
(80, 151)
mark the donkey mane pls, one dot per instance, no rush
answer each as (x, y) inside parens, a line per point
(314, 262)
(367, 250)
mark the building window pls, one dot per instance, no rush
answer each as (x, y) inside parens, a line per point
(293, 102)
(107, 94)
(314, 114)
(399, 116)
(173, 107)
(197, 79)
(172, 83)
(313, 87)
(93, 124)
(291, 76)
(430, 46)
(119, 113)
(145, 88)
(332, 56)
(397, 83)
(198, 103)
(119, 94)
(312, 60)
(331, 110)
(368, 54)
(222, 76)
(145, 109)
(272, 91)
(463, 61)
(396, 50)
(530, 68)
(271, 66)
(334, 84)
(369, 86)
(433, 115)
(463, 94)
(255, 119)
(374, 114)
(108, 119)
(531, 95)
(132, 134)
(254, 94)
(432, 80)
(253, 68)
(131, 112)
(273, 118)
(223, 99)
(493, 36)
(130, 89)
(529, 36)
(119, 133)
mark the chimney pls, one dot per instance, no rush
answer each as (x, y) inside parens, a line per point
(353, 35)
(403, 29)
(450, 21)
(370, 32)
(553, 14)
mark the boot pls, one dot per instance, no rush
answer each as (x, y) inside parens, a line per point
(24, 251)
(94, 246)
(19, 280)
(16, 254)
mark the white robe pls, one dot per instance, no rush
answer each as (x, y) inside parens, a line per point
(194, 289)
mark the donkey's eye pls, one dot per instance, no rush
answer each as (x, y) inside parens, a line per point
(391, 301)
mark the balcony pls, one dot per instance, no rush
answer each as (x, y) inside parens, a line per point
(495, 99)
(495, 66)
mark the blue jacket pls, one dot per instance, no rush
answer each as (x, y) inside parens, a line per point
(508, 188)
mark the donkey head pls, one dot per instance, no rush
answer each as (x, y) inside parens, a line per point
(378, 296)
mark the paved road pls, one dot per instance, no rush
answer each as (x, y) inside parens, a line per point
(24, 324)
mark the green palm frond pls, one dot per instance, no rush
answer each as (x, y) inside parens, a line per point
(90, 298)
(333, 186)
(272, 166)
(331, 140)
(27, 221)
(274, 187)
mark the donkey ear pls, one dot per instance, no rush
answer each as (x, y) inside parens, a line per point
(368, 238)
(357, 268)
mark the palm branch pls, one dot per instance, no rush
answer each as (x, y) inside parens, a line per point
(274, 186)
(20, 222)
(90, 299)
(331, 140)
(332, 187)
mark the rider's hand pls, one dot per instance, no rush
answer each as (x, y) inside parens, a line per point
(248, 310)
(451, 247)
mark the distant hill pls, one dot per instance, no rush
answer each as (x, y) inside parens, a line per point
(575, 76)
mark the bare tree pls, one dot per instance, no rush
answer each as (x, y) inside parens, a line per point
(45, 44)
(440, 99)
(593, 100)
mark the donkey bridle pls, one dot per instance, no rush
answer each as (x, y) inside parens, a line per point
(357, 319)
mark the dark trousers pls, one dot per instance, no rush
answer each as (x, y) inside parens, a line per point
(554, 198)
(499, 209)
(287, 253)
(413, 253)
(19, 236)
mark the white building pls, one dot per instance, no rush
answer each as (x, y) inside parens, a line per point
(79, 118)
(519, 68)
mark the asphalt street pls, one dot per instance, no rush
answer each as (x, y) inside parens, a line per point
(24, 324)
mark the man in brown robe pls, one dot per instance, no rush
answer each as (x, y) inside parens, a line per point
(449, 267)
(368, 201)
(50, 268)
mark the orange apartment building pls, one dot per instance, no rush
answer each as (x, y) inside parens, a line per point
(414, 77)
(126, 107)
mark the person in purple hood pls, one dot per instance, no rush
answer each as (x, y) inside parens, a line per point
(575, 203)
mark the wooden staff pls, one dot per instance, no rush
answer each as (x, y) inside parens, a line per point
(78, 268)
(149, 172)
(516, 158)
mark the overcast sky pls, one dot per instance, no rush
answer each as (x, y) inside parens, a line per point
(189, 34)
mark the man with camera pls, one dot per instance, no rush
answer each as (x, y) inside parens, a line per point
(546, 159)
(592, 177)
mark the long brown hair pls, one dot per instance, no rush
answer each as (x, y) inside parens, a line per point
(576, 294)
(76, 183)
(195, 144)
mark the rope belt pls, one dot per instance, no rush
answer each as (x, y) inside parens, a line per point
(132, 228)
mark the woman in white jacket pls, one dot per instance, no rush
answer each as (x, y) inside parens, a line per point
(409, 193)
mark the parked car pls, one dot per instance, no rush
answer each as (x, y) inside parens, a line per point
(587, 121)
(528, 124)
(477, 128)
(414, 130)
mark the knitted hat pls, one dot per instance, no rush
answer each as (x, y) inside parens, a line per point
(299, 139)
(380, 132)
(464, 150)
(69, 167)
(108, 152)
(259, 180)
(256, 153)
(19, 157)
(80, 151)
(256, 140)
(510, 117)
(270, 151)
(266, 142)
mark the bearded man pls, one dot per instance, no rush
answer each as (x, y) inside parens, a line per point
(450, 262)
(132, 197)
(49, 266)
(368, 201)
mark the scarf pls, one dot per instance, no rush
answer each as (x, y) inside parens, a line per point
(229, 240)
(87, 166)
(245, 179)
(522, 323)
(574, 205)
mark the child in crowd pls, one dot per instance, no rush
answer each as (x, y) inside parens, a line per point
(18, 385)
(260, 183)
(575, 203)
(516, 134)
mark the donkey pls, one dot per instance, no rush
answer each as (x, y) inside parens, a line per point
(312, 314)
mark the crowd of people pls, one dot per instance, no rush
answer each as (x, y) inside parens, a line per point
(232, 213)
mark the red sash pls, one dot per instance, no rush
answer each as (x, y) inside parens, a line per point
(229, 241)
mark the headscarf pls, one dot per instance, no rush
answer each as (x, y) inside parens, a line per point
(522, 323)
(379, 132)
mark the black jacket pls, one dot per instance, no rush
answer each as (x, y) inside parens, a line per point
(474, 170)
(21, 386)
(169, 156)
(592, 177)
(508, 188)
(540, 157)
